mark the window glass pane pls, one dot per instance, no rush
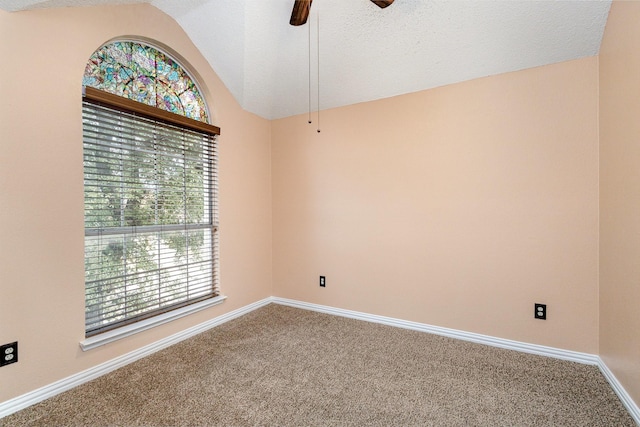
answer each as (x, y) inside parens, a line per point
(104, 270)
(149, 218)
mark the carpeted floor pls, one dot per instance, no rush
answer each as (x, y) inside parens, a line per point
(281, 366)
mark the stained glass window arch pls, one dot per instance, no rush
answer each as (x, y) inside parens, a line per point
(145, 74)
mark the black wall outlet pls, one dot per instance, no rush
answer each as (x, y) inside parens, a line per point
(8, 353)
(540, 311)
(323, 281)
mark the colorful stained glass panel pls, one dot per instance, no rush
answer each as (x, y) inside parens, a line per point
(145, 59)
(144, 74)
(143, 90)
(168, 100)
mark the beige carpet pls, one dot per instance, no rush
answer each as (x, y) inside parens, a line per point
(280, 366)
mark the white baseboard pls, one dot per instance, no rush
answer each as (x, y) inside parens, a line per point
(626, 399)
(585, 358)
(574, 356)
(33, 397)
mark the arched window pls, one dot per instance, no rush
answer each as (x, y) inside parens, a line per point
(144, 74)
(150, 187)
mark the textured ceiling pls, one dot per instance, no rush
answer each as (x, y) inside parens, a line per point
(365, 52)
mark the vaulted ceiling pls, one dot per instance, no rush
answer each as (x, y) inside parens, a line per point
(365, 52)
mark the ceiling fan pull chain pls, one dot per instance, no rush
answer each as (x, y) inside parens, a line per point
(318, 28)
(309, 42)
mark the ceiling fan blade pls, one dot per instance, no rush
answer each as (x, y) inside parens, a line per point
(300, 12)
(382, 3)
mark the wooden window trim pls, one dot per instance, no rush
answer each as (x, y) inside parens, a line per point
(128, 105)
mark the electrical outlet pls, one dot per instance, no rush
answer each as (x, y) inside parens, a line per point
(8, 353)
(323, 281)
(540, 311)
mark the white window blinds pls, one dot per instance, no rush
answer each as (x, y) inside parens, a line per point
(150, 216)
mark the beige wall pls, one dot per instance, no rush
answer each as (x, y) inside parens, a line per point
(41, 195)
(619, 195)
(460, 206)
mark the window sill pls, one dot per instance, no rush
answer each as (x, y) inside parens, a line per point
(143, 325)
